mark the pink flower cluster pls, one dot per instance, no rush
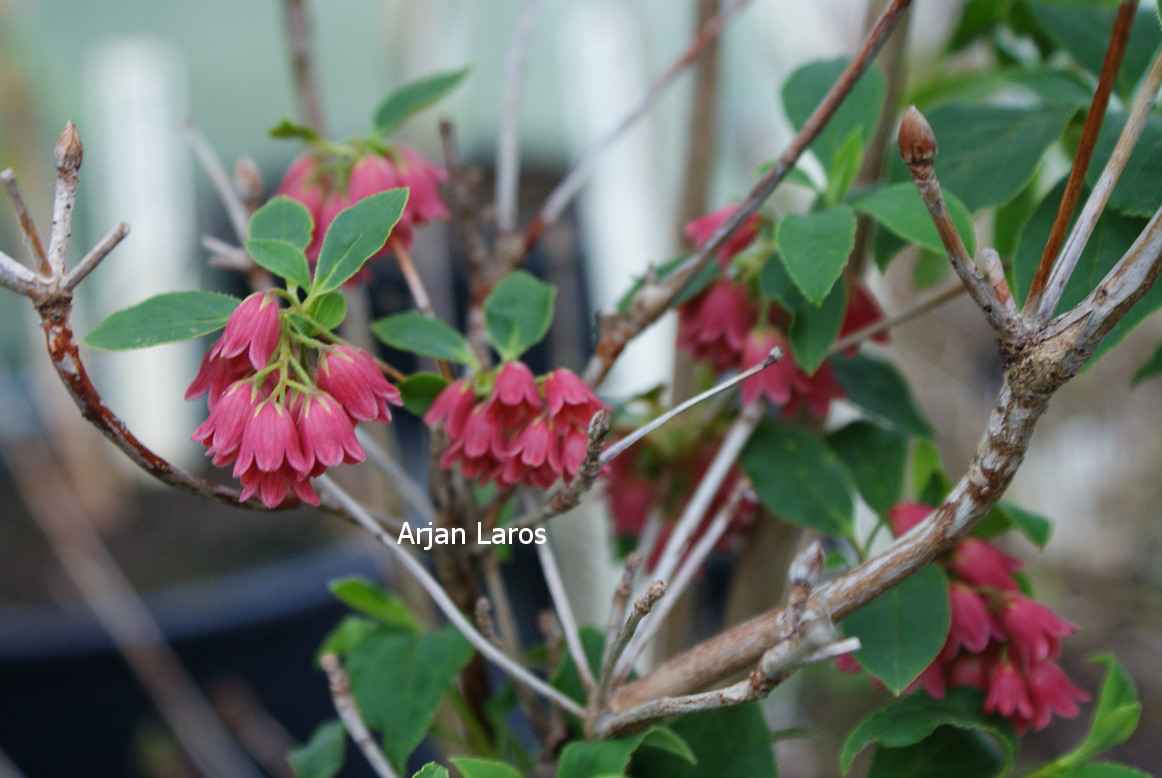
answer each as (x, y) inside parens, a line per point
(278, 438)
(999, 640)
(326, 193)
(527, 430)
(728, 327)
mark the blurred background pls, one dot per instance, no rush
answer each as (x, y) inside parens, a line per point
(241, 595)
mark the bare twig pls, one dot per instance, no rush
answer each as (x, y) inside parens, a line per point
(349, 714)
(216, 171)
(419, 293)
(888, 322)
(654, 299)
(261, 734)
(918, 148)
(720, 467)
(1086, 222)
(507, 147)
(995, 272)
(567, 189)
(609, 675)
(27, 225)
(1119, 36)
(412, 493)
(17, 277)
(703, 124)
(620, 600)
(95, 255)
(67, 154)
(298, 33)
(621, 445)
(484, 623)
(444, 602)
(565, 614)
(692, 562)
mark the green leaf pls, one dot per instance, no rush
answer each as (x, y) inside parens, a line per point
(483, 768)
(844, 168)
(931, 481)
(1104, 770)
(288, 128)
(419, 391)
(166, 318)
(418, 334)
(355, 235)
(582, 759)
(1151, 368)
(900, 209)
(399, 680)
(813, 328)
(1114, 719)
(806, 88)
(989, 152)
(903, 629)
(815, 246)
(1139, 189)
(798, 478)
(1005, 516)
(431, 770)
(329, 310)
(366, 597)
(731, 741)
(322, 756)
(876, 458)
(1056, 86)
(1084, 31)
(345, 634)
(415, 96)
(518, 313)
(282, 259)
(879, 389)
(948, 751)
(912, 719)
(283, 220)
(977, 18)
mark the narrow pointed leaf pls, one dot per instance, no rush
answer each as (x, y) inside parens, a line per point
(413, 97)
(166, 318)
(355, 235)
(419, 334)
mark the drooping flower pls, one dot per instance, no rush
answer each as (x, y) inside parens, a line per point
(702, 229)
(216, 375)
(983, 564)
(862, 311)
(970, 627)
(1007, 693)
(1034, 630)
(221, 432)
(907, 515)
(777, 382)
(515, 397)
(270, 440)
(570, 401)
(1051, 691)
(452, 406)
(327, 433)
(351, 376)
(714, 325)
(252, 329)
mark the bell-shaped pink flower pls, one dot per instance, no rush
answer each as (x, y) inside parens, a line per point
(515, 397)
(982, 564)
(452, 406)
(777, 381)
(702, 229)
(1007, 693)
(969, 670)
(713, 326)
(253, 329)
(215, 375)
(862, 311)
(1034, 630)
(816, 391)
(351, 376)
(221, 432)
(1051, 691)
(327, 433)
(273, 487)
(970, 625)
(570, 401)
(423, 179)
(269, 441)
(907, 515)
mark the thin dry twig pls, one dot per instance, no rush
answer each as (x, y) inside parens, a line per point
(1086, 222)
(1111, 64)
(609, 675)
(568, 496)
(565, 617)
(68, 154)
(889, 322)
(412, 493)
(701, 140)
(567, 189)
(621, 597)
(654, 299)
(94, 256)
(216, 171)
(298, 34)
(349, 714)
(27, 225)
(444, 602)
(507, 145)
